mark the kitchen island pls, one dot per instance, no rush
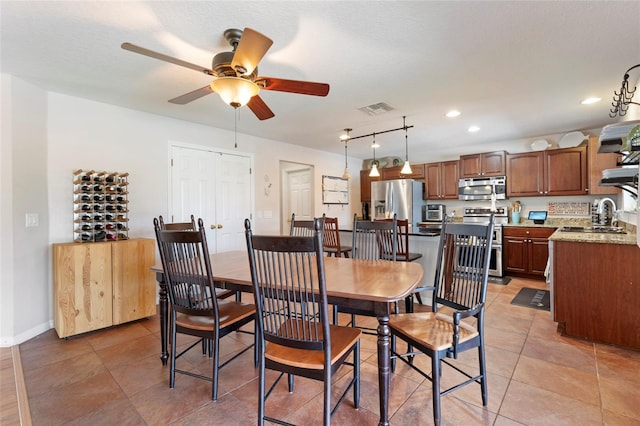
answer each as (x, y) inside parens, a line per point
(595, 286)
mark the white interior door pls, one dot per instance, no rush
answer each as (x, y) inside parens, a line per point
(297, 188)
(213, 186)
(300, 194)
(233, 189)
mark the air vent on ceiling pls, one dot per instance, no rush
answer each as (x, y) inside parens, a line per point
(377, 109)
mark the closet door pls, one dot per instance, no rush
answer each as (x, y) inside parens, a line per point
(214, 186)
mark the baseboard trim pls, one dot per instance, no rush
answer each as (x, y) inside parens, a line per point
(21, 389)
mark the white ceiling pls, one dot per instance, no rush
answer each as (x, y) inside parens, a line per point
(516, 69)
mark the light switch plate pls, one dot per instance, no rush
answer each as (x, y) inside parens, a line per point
(31, 220)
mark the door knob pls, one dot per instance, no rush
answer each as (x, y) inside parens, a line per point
(212, 226)
(219, 226)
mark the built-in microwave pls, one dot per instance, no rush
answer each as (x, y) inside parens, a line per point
(482, 188)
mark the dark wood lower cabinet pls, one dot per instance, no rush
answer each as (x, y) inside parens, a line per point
(525, 250)
(595, 291)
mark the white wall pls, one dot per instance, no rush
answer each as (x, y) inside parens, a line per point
(6, 211)
(52, 134)
(26, 304)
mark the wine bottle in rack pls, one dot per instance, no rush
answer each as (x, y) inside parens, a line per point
(100, 205)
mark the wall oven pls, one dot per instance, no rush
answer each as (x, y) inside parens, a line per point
(481, 215)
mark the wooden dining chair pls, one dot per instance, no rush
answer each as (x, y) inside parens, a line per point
(331, 238)
(404, 255)
(191, 226)
(375, 240)
(301, 228)
(295, 336)
(194, 306)
(462, 271)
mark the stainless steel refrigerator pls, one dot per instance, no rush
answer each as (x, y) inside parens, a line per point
(401, 196)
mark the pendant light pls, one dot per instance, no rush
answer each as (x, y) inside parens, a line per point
(345, 138)
(374, 169)
(406, 169)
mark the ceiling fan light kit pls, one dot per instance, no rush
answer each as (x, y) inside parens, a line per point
(235, 73)
(235, 91)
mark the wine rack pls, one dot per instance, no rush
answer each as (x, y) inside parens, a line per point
(100, 206)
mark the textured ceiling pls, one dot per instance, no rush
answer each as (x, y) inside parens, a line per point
(517, 69)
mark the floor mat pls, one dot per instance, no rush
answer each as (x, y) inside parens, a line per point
(499, 280)
(532, 298)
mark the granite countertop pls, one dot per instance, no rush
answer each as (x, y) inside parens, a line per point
(590, 237)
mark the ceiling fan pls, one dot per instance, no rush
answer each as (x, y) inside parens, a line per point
(235, 73)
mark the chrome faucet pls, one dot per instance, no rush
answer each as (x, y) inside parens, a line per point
(605, 216)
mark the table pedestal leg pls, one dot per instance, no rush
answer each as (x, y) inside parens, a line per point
(384, 366)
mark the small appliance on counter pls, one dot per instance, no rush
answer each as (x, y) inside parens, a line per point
(537, 216)
(432, 215)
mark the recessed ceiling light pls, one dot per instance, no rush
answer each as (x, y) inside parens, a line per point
(591, 100)
(473, 129)
(453, 113)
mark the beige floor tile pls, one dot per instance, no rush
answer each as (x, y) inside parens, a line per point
(531, 405)
(567, 381)
(535, 376)
(621, 397)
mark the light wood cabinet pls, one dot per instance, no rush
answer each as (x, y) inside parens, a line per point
(483, 164)
(441, 180)
(97, 285)
(525, 250)
(597, 163)
(547, 173)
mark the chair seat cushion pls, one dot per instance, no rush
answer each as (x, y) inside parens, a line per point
(342, 339)
(431, 330)
(229, 313)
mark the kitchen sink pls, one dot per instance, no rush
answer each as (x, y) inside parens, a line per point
(594, 229)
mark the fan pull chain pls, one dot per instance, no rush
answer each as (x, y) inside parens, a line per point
(235, 112)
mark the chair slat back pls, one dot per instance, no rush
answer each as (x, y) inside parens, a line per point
(375, 240)
(301, 228)
(289, 286)
(331, 235)
(178, 226)
(187, 270)
(462, 268)
(403, 237)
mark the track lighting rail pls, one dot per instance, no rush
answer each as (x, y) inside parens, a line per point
(350, 138)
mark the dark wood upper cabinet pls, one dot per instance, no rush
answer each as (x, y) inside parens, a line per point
(365, 185)
(547, 173)
(484, 164)
(441, 180)
(390, 173)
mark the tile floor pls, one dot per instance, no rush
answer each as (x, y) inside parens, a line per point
(536, 377)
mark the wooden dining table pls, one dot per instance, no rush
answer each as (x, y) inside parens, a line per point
(372, 285)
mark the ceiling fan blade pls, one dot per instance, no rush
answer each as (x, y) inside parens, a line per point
(250, 50)
(259, 108)
(191, 96)
(163, 57)
(293, 86)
